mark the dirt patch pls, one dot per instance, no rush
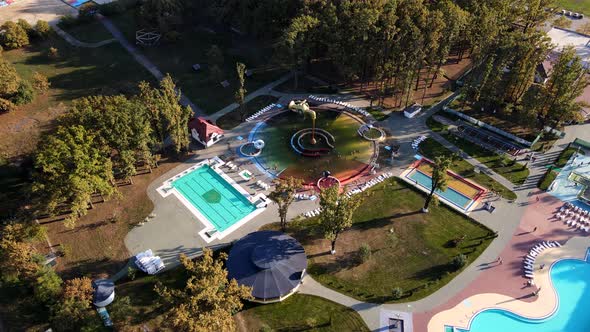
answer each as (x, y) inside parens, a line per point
(97, 245)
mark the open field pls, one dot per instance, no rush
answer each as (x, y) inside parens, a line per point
(580, 6)
(431, 148)
(192, 47)
(90, 32)
(409, 249)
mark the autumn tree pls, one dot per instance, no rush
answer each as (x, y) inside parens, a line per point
(208, 300)
(40, 82)
(70, 169)
(336, 213)
(74, 308)
(175, 115)
(241, 92)
(9, 79)
(13, 36)
(555, 101)
(283, 195)
(439, 178)
(19, 260)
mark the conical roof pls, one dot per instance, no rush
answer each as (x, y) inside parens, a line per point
(270, 262)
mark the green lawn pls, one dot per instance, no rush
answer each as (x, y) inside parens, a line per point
(89, 32)
(431, 148)
(580, 6)
(178, 59)
(302, 313)
(516, 173)
(547, 179)
(565, 156)
(232, 119)
(409, 249)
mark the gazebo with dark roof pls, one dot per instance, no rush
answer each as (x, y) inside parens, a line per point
(272, 263)
(104, 292)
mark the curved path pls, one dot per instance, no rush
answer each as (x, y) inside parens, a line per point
(75, 42)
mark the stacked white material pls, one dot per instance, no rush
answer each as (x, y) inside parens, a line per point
(260, 112)
(529, 260)
(574, 217)
(417, 141)
(349, 106)
(148, 263)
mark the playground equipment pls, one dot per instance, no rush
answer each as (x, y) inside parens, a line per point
(302, 107)
(147, 37)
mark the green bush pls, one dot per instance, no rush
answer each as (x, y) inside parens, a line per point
(86, 12)
(24, 94)
(547, 179)
(459, 261)
(111, 9)
(26, 26)
(47, 286)
(397, 293)
(67, 21)
(42, 29)
(365, 252)
(52, 53)
(40, 82)
(14, 36)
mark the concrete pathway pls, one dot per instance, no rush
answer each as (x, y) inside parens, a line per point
(143, 60)
(75, 42)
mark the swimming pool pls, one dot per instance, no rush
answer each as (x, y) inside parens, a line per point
(215, 198)
(571, 279)
(451, 195)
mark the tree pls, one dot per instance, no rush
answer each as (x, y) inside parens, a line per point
(160, 14)
(74, 308)
(26, 26)
(215, 56)
(336, 213)
(24, 93)
(439, 177)
(19, 260)
(70, 169)
(175, 115)
(215, 74)
(47, 286)
(241, 93)
(555, 102)
(283, 195)
(296, 43)
(208, 300)
(9, 79)
(14, 36)
(40, 82)
(43, 29)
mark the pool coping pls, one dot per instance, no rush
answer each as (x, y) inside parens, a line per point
(166, 190)
(542, 308)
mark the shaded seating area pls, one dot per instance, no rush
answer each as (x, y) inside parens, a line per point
(271, 262)
(488, 140)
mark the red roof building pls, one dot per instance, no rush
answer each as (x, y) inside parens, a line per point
(204, 131)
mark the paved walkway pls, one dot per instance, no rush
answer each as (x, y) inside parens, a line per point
(75, 42)
(143, 60)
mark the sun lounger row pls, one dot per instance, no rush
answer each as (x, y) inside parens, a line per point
(529, 260)
(417, 141)
(263, 185)
(341, 103)
(369, 184)
(147, 262)
(312, 213)
(231, 165)
(260, 112)
(306, 197)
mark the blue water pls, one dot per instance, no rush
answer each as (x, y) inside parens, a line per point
(571, 278)
(216, 199)
(563, 188)
(450, 194)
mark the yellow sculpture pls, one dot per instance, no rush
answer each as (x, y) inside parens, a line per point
(302, 107)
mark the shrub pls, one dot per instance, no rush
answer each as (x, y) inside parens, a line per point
(265, 328)
(26, 26)
(397, 293)
(14, 36)
(365, 252)
(42, 29)
(86, 12)
(111, 8)
(52, 53)
(67, 21)
(172, 36)
(459, 261)
(24, 94)
(40, 82)
(65, 250)
(8, 79)
(47, 286)
(6, 106)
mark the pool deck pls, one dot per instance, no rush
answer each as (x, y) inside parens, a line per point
(565, 189)
(545, 304)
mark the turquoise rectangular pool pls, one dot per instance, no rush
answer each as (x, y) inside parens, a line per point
(215, 198)
(451, 195)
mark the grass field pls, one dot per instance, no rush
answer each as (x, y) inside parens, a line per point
(178, 59)
(89, 32)
(304, 85)
(232, 119)
(431, 148)
(300, 313)
(409, 249)
(516, 173)
(580, 6)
